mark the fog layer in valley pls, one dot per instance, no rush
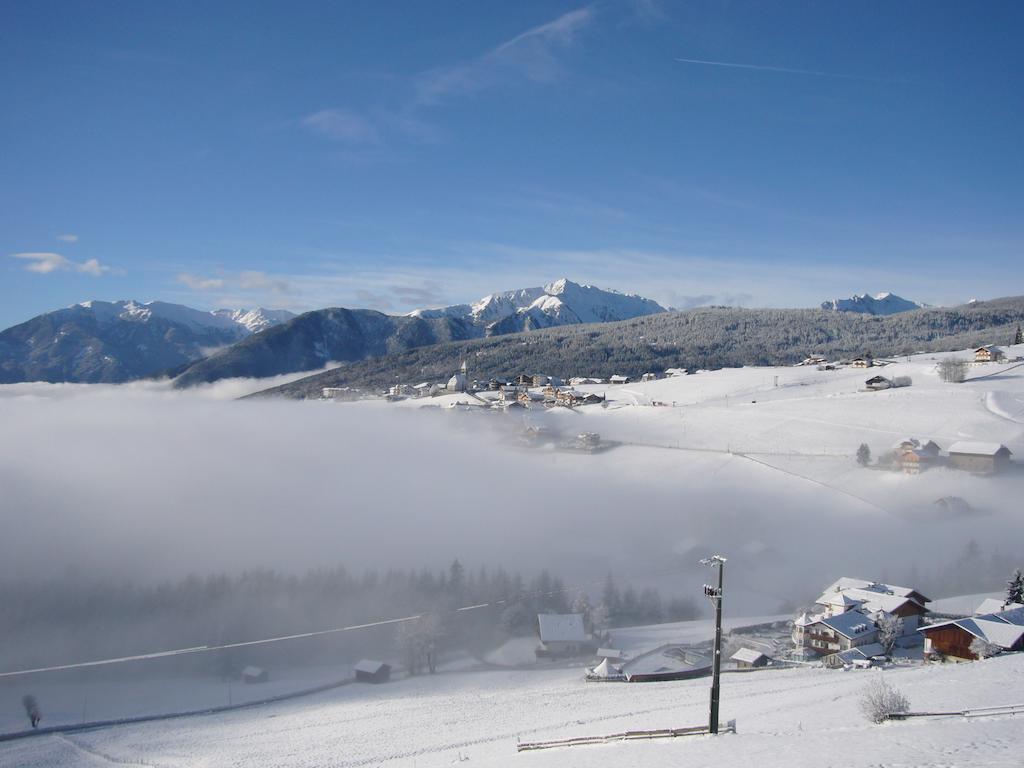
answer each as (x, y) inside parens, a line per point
(141, 484)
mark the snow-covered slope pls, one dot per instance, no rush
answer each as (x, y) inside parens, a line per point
(251, 320)
(256, 319)
(115, 341)
(562, 302)
(879, 304)
(791, 717)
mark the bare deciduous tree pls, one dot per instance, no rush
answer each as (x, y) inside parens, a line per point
(953, 370)
(890, 629)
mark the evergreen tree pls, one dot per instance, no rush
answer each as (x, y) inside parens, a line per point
(863, 454)
(1018, 338)
(456, 577)
(1015, 588)
(611, 601)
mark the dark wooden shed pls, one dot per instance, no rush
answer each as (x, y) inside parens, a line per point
(370, 671)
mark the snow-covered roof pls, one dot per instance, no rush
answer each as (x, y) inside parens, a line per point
(994, 605)
(748, 655)
(995, 632)
(861, 653)
(839, 600)
(850, 624)
(1010, 615)
(369, 666)
(561, 627)
(878, 601)
(845, 583)
(610, 653)
(977, 449)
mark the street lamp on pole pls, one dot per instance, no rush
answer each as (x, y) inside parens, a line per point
(714, 594)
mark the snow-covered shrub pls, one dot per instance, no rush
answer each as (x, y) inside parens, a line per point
(983, 649)
(878, 700)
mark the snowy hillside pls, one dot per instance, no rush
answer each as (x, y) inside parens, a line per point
(116, 341)
(792, 717)
(879, 304)
(562, 302)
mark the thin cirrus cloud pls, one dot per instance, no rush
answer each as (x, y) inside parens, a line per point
(199, 283)
(45, 263)
(247, 280)
(68, 238)
(530, 55)
(784, 70)
(342, 125)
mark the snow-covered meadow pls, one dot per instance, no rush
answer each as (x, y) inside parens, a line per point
(796, 717)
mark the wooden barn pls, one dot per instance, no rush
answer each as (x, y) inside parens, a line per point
(981, 458)
(370, 671)
(953, 639)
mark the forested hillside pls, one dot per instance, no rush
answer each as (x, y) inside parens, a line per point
(713, 337)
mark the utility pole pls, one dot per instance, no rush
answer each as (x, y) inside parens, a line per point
(714, 594)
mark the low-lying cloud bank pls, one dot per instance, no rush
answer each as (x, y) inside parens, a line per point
(142, 483)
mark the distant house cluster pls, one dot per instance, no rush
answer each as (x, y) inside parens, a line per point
(522, 391)
(844, 627)
(915, 455)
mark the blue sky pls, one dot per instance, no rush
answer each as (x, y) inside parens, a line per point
(397, 155)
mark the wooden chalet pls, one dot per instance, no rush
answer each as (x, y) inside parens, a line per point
(989, 353)
(877, 382)
(573, 397)
(825, 635)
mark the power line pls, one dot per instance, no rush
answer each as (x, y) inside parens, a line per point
(296, 636)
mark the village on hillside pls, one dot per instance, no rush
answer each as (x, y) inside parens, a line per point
(854, 624)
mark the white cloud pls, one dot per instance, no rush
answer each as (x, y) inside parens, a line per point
(342, 125)
(69, 238)
(198, 283)
(530, 54)
(261, 281)
(43, 263)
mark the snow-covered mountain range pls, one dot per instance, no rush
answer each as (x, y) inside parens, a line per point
(562, 302)
(252, 320)
(866, 304)
(114, 341)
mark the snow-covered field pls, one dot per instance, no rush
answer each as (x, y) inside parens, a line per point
(793, 717)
